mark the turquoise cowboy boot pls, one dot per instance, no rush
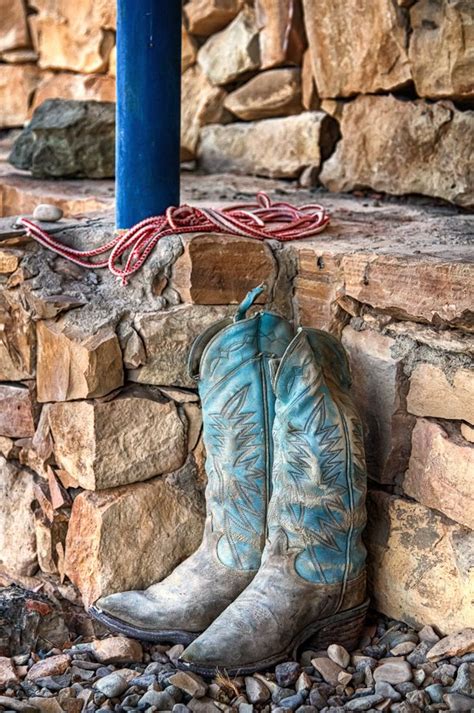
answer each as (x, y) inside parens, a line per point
(311, 585)
(231, 363)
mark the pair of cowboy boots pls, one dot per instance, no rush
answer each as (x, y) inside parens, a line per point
(282, 561)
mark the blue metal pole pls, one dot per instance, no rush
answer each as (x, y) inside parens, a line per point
(148, 108)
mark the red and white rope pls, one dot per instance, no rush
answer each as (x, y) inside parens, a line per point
(262, 220)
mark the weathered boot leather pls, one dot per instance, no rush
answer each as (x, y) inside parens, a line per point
(311, 584)
(231, 362)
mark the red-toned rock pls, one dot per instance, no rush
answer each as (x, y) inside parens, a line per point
(65, 85)
(441, 472)
(273, 93)
(205, 17)
(282, 35)
(18, 83)
(16, 411)
(117, 649)
(13, 28)
(52, 666)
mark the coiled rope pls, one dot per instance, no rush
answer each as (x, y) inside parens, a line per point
(263, 220)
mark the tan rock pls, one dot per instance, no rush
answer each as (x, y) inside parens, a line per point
(441, 472)
(282, 35)
(9, 260)
(74, 35)
(273, 93)
(167, 337)
(13, 30)
(457, 644)
(71, 366)
(216, 269)
(379, 389)
(17, 520)
(48, 536)
(467, 432)
(202, 103)
(250, 148)
(401, 147)
(309, 93)
(188, 49)
(371, 59)
(131, 438)
(393, 670)
(18, 83)
(20, 56)
(16, 411)
(65, 85)
(328, 669)
(432, 393)
(205, 17)
(113, 61)
(117, 649)
(8, 675)
(232, 52)
(445, 31)
(418, 564)
(102, 558)
(52, 666)
(189, 682)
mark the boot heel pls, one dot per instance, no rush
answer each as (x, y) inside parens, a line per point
(344, 628)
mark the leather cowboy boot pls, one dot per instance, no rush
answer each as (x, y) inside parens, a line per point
(231, 363)
(311, 585)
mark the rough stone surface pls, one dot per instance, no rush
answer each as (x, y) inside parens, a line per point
(282, 39)
(457, 644)
(432, 393)
(16, 411)
(52, 666)
(8, 674)
(216, 270)
(233, 52)
(75, 36)
(202, 103)
(106, 443)
(379, 388)
(431, 558)
(101, 557)
(444, 30)
(276, 92)
(79, 87)
(167, 337)
(369, 60)
(17, 522)
(441, 472)
(68, 138)
(394, 670)
(208, 16)
(17, 85)
(250, 147)
(404, 147)
(117, 649)
(14, 30)
(71, 366)
(188, 49)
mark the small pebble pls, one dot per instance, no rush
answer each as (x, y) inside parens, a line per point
(256, 690)
(435, 692)
(363, 704)
(112, 685)
(387, 691)
(47, 213)
(339, 655)
(287, 673)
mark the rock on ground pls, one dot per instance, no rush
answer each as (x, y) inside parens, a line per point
(68, 138)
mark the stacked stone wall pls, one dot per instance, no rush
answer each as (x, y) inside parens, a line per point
(362, 94)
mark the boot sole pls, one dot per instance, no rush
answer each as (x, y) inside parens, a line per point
(344, 628)
(172, 636)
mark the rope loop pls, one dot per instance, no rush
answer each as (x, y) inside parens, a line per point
(262, 220)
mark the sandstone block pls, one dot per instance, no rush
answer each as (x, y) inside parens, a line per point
(418, 564)
(202, 103)
(17, 523)
(250, 148)
(13, 30)
(68, 138)
(309, 93)
(379, 389)
(205, 17)
(217, 269)
(102, 557)
(74, 35)
(80, 87)
(17, 86)
(467, 432)
(188, 50)
(444, 30)
(16, 411)
(441, 472)
(71, 366)
(50, 541)
(167, 337)
(273, 93)
(432, 393)
(404, 147)
(105, 443)
(369, 60)
(282, 35)
(232, 52)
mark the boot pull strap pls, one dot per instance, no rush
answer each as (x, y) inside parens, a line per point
(248, 301)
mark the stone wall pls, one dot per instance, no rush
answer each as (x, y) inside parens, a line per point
(358, 94)
(102, 471)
